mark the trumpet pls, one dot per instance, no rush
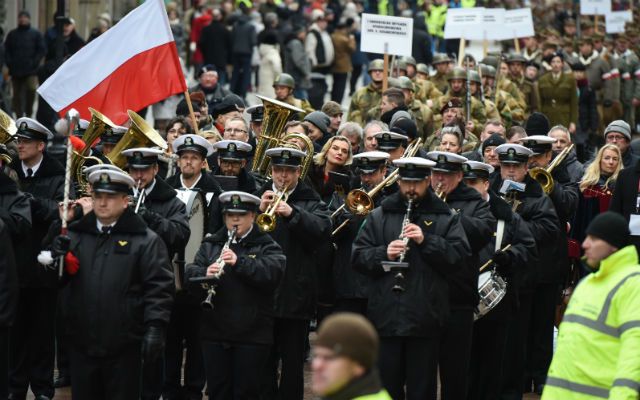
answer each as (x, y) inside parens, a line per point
(543, 175)
(267, 220)
(360, 202)
(211, 282)
(442, 195)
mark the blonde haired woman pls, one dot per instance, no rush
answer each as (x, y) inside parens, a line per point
(330, 172)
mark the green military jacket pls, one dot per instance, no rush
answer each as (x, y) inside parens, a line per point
(426, 90)
(362, 101)
(559, 99)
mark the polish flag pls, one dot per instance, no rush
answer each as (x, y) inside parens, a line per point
(130, 66)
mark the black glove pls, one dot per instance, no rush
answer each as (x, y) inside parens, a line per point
(503, 260)
(60, 245)
(150, 217)
(152, 343)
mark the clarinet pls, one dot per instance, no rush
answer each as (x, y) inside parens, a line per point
(399, 276)
(211, 282)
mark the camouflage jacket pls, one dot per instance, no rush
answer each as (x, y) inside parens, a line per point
(363, 101)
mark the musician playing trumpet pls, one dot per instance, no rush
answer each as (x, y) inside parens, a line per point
(237, 333)
(301, 225)
(410, 322)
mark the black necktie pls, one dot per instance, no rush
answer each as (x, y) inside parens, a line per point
(29, 172)
(106, 230)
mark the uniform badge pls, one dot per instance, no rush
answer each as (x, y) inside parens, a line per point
(428, 223)
(122, 247)
(286, 155)
(104, 178)
(122, 243)
(236, 201)
(232, 147)
(188, 141)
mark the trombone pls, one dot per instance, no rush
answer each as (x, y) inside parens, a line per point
(267, 220)
(360, 202)
(543, 175)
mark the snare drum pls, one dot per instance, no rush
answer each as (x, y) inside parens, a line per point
(491, 288)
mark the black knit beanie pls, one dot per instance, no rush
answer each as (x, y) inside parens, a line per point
(537, 124)
(610, 227)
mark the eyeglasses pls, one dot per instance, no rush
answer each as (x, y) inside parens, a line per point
(614, 138)
(235, 130)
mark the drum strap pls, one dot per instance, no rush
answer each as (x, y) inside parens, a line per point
(499, 234)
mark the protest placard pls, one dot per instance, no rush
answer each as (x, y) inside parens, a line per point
(384, 34)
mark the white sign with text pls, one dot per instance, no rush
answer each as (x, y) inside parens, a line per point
(384, 34)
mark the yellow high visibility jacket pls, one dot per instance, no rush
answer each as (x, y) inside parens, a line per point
(435, 20)
(598, 350)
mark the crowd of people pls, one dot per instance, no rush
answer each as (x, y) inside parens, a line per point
(436, 231)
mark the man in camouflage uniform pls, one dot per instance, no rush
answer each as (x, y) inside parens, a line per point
(425, 90)
(458, 88)
(443, 64)
(369, 96)
(503, 81)
(501, 98)
(527, 88)
(629, 66)
(490, 108)
(283, 86)
(421, 113)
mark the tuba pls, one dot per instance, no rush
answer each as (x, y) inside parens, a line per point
(276, 115)
(7, 130)
(543, 175)
(97, 126)
(139, 134)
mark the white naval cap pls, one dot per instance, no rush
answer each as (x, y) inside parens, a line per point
(511, 153)
(446, 162)
(477, 170)
(98, 167)
(369, 161)
(142, 157)
(108, 181)
(539, 144)
(194, 143)
(414, 168)
(233, 149)
(29, 128)
(235, 201)
(285, 156)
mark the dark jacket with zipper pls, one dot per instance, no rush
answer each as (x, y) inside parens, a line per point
(15, 225)
(46, 187)
(423, 308)
(477, 222)
(121, 287)
(24, 49)
(307, 228)
(243, 304)
(537, 211)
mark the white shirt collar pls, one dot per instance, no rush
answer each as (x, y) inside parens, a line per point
(238, 240)
(148, 189)
(34, 168)
(194, 183)
(99, 225)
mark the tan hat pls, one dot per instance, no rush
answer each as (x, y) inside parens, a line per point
(350, 335)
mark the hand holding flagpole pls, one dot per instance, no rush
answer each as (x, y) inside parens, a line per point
(74, 119)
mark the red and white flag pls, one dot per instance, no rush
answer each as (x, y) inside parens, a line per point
(130, 66)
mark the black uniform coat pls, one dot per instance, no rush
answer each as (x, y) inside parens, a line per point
(625, 195)
(46, 187)
(537, 211)
(121, 286)
(523, 250)
(15, 224)
(166, 215)
(423, 308)
(308, 227)
(243, 304)
(477, 222)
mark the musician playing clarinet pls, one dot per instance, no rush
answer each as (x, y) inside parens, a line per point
(488, 349)
(477, 222)
(411, 318)
(237, 332)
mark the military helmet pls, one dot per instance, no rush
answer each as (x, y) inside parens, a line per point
(488, 71)
(400, 64)
(422, 69)
(457, 73)
(440, 58)
(409, 60)
(515, 57)
(285, 80)
(474, 76)
(394, 82)
(406, 83)
(492, 61)
(376, 65)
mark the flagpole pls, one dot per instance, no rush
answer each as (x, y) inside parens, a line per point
(193, 116)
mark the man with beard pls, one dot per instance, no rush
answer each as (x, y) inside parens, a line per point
(165, 215)
(477, 222)
(488, 350)
(302, 224)
(369, 96)
(537, 211)
(408, 246)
